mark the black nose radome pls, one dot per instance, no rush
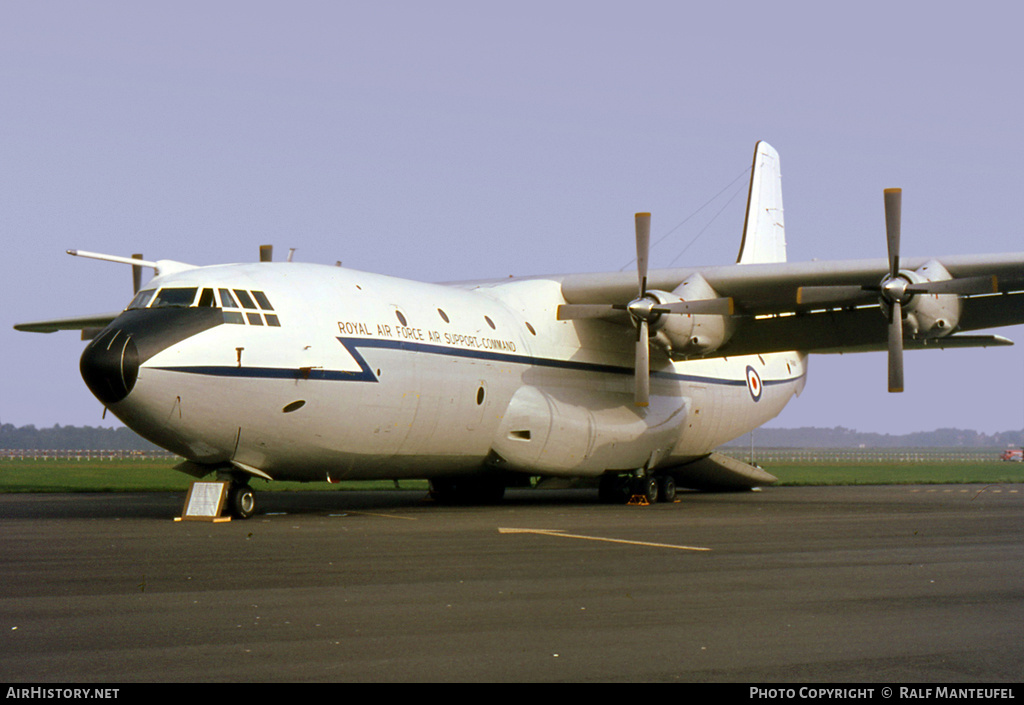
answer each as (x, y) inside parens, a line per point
(110, 365)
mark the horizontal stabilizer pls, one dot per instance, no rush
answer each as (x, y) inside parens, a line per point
(722, 473)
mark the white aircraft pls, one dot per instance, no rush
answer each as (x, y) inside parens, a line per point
(290, 371)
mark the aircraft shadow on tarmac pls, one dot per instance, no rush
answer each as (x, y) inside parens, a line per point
(168, 505)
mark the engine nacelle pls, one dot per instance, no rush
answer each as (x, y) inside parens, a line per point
(690, 335)
(930, 315)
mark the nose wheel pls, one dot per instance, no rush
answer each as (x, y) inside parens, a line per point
(241, 501)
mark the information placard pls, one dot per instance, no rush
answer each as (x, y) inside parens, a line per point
(205, 501)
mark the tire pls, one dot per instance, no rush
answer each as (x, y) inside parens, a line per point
(467, 490)
(613, 489)
(666, 488)
(646, 487)
(241, 501)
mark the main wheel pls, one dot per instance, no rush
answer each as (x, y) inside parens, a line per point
(467, 490)
(241, 501)
(666, 488)
(646, 487)
(613, 489)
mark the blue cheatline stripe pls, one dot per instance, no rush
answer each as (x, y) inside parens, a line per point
(366, 374)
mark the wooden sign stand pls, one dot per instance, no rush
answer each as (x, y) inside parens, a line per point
(205, 502)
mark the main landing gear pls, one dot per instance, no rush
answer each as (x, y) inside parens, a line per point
(467, 490)
(620, 489)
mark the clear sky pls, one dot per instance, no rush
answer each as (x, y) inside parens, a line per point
(460, 140)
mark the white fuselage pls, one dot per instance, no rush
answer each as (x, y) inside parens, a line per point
(369, 376)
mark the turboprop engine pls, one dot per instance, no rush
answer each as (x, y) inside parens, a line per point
(924, 303)
(926, 315)
(650, 312)
(690, 334)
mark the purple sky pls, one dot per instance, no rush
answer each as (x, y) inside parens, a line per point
(444, 141)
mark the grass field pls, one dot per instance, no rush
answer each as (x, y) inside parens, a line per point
(158, 475)
(896, 473)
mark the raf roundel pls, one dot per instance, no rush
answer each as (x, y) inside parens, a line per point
(754, 383)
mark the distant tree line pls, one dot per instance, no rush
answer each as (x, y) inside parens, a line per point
(71, 438)
(100, 438)
(839, 437)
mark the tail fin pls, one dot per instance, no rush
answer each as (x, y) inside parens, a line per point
(764, 232)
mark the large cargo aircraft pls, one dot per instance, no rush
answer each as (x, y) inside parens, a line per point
(292, 371)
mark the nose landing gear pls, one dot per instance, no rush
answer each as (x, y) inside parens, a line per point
(241, 502)
(223, 499)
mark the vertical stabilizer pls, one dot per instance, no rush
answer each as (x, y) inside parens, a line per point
(764, 231)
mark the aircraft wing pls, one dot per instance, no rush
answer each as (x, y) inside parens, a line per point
(771, 316)
(99, 320)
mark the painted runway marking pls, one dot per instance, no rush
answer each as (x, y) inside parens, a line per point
(561, 534)
(384, 516)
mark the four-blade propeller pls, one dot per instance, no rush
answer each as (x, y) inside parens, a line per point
(895, 290)
(644, 311)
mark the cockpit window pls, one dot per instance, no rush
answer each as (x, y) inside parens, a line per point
(262, 300)
(244, 298)
(175, 297)
(257, 313)
(142, 298)
(206, 299)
